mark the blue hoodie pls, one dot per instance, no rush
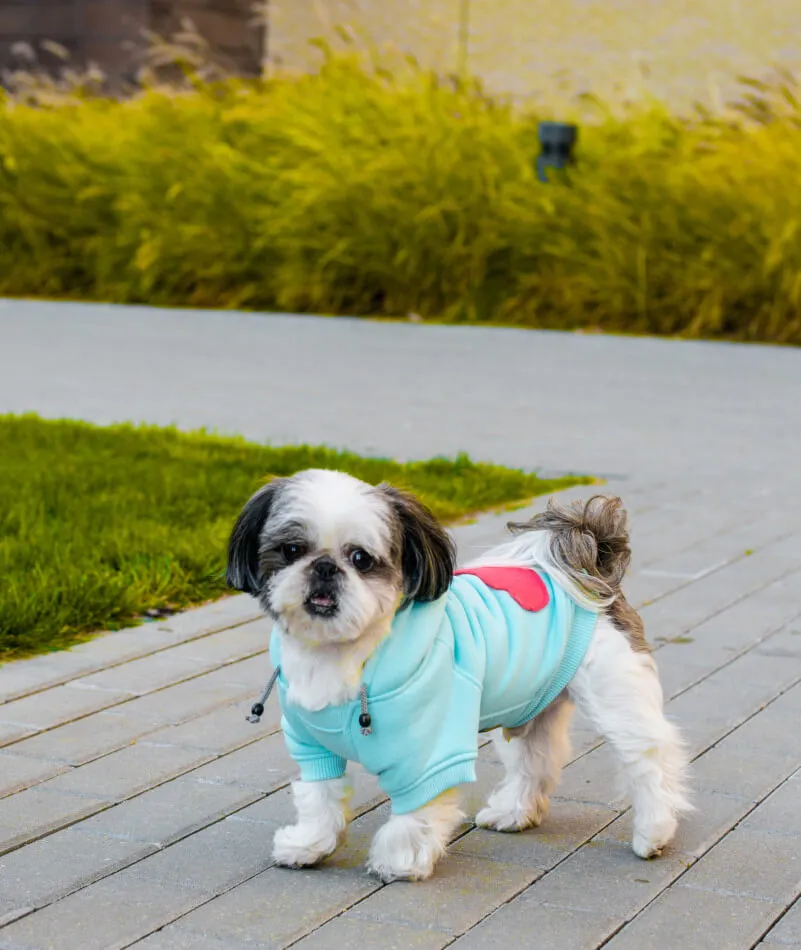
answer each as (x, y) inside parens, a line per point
(477, 658)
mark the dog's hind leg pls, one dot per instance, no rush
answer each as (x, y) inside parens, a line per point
(618, 689)
(534, 759)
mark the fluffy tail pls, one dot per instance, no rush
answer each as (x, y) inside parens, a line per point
(584, 545)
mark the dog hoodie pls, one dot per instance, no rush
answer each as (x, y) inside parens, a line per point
(495, 650)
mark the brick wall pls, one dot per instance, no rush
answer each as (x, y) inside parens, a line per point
(108, 32)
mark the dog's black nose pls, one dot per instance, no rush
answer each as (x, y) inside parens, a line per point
(325, 568)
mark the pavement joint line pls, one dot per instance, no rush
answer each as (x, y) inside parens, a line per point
(685, 575)
(122, 702)
(683, 547)
(107, 805)
(736, 656)
(793, 685)
(787, 909)
(143, 741)
(70, 677)
(749, 593)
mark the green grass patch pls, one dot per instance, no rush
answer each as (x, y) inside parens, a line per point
(358, 190)
(100, 525)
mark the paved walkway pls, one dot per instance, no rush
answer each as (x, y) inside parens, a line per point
(137, 804)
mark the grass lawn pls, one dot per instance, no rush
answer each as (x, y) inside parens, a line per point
(99, 525)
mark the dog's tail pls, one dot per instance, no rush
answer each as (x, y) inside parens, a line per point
(583, 545)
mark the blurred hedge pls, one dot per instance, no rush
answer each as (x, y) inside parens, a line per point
(357, 191)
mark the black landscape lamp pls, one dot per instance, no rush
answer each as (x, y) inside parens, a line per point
(556, 146)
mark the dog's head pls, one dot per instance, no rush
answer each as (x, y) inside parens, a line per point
(329, 556)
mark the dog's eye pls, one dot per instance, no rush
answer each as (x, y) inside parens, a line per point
(293, 550)
(361, 560)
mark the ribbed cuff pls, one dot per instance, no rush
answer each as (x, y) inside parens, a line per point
(426, 790)
(322, 769)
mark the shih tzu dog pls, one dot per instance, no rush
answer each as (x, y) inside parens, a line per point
(386, 655)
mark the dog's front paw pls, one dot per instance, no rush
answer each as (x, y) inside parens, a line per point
(513, 816)
(403, 851)
(300, 846)
(388, 869)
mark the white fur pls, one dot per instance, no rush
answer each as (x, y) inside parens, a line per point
(407, 847)
(327, 675)
(533, 765)
(321, 826)
(619, 691)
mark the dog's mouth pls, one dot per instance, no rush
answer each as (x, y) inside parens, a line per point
(321, 605)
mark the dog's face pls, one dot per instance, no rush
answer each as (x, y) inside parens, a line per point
(329, 556)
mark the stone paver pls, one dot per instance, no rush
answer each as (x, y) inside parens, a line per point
(465, 890)
(682, 917)
(137, 806)
(61, 863)
(787, 932)
(169, 812)
(108, 914)
(276, 907)
(35, 812)
(18, 772)
(752, 864)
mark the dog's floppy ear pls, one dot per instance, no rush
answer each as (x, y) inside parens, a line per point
(243, 545)
(427, 553)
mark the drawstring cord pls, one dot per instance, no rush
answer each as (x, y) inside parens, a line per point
(364, 719)
(257, 710)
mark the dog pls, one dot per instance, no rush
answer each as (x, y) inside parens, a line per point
(385, 654)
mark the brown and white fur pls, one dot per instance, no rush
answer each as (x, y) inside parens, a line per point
(332, 560)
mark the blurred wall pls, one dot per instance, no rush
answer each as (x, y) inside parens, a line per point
(680, 50)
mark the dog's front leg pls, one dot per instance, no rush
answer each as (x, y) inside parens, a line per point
(322, 822)
(408, 846)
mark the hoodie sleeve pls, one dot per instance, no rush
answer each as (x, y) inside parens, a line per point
(316, 763)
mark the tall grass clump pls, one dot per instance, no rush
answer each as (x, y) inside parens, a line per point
(357, 190)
